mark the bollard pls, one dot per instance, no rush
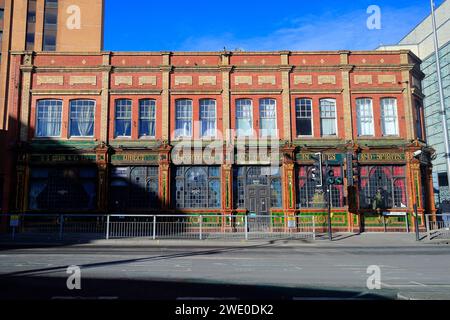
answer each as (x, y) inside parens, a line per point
(246, 227)
(314, 228)
(201, 226)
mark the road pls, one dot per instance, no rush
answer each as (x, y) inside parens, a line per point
(241, 272)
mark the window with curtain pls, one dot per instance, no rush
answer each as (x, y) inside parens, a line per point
(208, 117)
(123, 118)
(71, 188)
(244, 117)
(328, 117)
(183, 118)
(82, 114)
(390, 180)
(197, 187)
(364, 112)
(147, 118)
(268, 117)
(389, 117)
(304, 117)
(48, 115)
(134, 188)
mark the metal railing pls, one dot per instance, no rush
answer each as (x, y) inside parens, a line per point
(438, 228)
(155, 227)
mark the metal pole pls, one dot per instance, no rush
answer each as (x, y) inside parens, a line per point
(154, 227)
(330, 230)
(441, 93)
(314, 227)
(427, 221)
(201, 226)
(61, 226)
(107, 227)
(416, 223)
(246, 227)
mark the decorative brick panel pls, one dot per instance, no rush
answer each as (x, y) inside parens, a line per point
(387, 79)
(92, 80)
(147, 80)
(59, 80)
(186, 80)
(126, 80)
(363, 79)
(327, 79)
(212, 80)
(267, 80)
(243, 80)
(302, 80)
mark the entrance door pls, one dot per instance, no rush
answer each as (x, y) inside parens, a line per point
(258, 200)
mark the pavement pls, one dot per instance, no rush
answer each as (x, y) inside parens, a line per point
(231, 270)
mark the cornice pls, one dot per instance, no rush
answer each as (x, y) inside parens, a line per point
(376, 90)
(136, 69)
(316, 91)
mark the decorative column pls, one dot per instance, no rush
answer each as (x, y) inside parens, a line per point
(289, 196)
(227, 197)
(347, 104)
(286, 95)
(415, 186)
(103, 177)
(20, 205)
(27, 69)
(166, 69)
(104, 121)
(226, 69)
(430, 187)
(164, 176)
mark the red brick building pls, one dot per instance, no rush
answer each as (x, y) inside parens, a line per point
(96, 133)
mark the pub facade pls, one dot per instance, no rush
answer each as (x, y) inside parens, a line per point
(219, 133)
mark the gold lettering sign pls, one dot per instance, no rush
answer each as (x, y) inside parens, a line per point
(382, 157)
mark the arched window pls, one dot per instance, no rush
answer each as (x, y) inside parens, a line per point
(82, 114)
(389, 117)
(268, 117)
(183, 118)
(304, 117)
(390, 180)
(364, 113)
(147, 118)
(197, 187)
(208, 117)
(48, 118)
(328, 117)
(244, 118)
(123, 118)
(134, 188)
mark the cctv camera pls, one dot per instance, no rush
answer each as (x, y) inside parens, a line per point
(417, 153)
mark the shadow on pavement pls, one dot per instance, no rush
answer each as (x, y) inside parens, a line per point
(54, 288)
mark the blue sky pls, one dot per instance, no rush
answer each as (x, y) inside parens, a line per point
(208, 25)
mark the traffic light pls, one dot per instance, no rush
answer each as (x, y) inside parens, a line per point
(332, 179)
(316, 172)
(352, 169)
